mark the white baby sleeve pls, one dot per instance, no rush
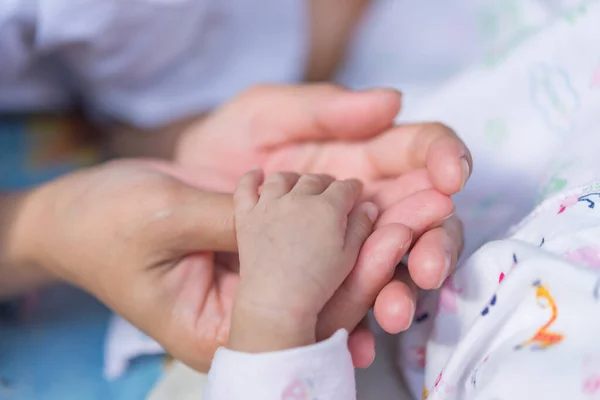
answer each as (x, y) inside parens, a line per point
(320, 371)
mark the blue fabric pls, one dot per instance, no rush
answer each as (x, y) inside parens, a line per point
(34, 150)
(55, 352)
(53, 348)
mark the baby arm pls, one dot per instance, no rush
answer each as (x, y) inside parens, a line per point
(298, 240)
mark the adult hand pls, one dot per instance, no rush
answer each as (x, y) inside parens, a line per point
(141, 240)
(141, 237)
(409, 172)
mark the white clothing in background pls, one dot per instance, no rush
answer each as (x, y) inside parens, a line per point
(145, 62)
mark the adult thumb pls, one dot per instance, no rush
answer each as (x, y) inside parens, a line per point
(319, 112)
(200, 221)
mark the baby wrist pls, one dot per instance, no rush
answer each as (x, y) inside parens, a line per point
(256, 329)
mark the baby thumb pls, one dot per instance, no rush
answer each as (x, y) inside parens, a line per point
(359, 227)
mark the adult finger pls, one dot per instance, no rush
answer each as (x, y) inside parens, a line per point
(189, 220)
(277, 185)
(318, 112)
(361, 344)
(374, 268)
(395, 305)
(387, 192)
(312, 184)
(420, 211)
(435, 254)
(427, 145)
(246, 192)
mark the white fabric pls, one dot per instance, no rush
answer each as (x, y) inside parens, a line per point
(124, 342)
(146, 62)
(516, 320)
(323, 370)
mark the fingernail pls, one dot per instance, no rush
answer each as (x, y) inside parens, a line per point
(450, 215)
(407, 244)
(372, 211)
(372, 358)
(466, 171)
(447, 266)
(413, 310)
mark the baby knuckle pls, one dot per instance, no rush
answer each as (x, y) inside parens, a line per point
(312, 180)
(339, 194)
(276, 178)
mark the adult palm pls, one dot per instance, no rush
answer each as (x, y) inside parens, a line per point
(408, 170)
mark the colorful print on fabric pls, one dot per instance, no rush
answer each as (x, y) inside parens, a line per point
(586, 255)
(498, 18)
(553, 184)
(578, 10)
(421, 316)
(496, 131)
(299, 390)
(597, 290)
(513, 265)
(441, 385)
(590, 385)
(491, 303)
(573, 200)
(595, 81)
(544, 338)
(553, 95)
(417, 357)
(477, 369)
(448, 301)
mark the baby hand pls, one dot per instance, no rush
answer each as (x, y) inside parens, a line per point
(298, 240)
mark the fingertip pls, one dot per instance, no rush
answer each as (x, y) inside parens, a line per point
(466, 171)
(344, 194)
(363, 114)
(395, 307)
(356, 185)
(449, 164)
(361, 344)
(359, 228)
(391, 97)
(371, 210)
(246, 194)
(256, 176)
(432, 259)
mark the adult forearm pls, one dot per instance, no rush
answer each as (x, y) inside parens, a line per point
(18, 233)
